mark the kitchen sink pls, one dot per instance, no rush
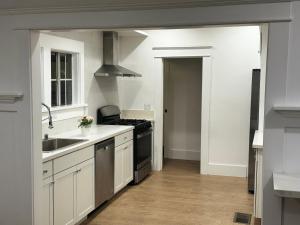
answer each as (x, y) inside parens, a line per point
(54, 144)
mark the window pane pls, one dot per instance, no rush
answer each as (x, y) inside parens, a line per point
(69, 92)
(62, 66)
(53, 65)
(53, 93)
(63, 93)
(69, 66)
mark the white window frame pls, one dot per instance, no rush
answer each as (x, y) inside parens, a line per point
(49, 43)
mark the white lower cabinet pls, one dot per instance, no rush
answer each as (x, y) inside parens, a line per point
(64, 197)
(123, 165)
(119, 181)
(74, 193)
(128, 163)
(69, 194)
(258, 197)
(85, 189)
(47, 209)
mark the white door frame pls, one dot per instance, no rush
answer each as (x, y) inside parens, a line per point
(204, 52)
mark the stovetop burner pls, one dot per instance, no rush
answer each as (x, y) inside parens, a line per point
(128, 122)
(132, 122)
(111, 115)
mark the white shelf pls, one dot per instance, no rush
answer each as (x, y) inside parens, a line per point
(287, 185)
(10, 97)
(258, 141)
(287, 111)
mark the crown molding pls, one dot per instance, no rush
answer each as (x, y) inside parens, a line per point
(123, 6)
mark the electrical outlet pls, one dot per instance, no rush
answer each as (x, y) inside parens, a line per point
(147, 107)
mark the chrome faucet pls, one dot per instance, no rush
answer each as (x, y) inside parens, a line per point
(50, 116)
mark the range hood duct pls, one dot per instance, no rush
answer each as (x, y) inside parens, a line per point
(110, 67)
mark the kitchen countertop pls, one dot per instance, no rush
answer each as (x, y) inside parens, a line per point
(258, 141)
(97, 134)
(287, 185)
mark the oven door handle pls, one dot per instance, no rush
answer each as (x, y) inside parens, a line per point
(144, 134)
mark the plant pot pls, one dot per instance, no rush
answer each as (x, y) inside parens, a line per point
(85, 131)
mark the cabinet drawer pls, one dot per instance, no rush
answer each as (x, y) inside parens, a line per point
(124, 146)
(47, 169)
(123, 138)
(73, 159)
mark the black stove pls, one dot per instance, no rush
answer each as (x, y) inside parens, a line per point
(127, 122)
(142, 138)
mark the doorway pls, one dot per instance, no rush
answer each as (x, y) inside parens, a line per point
(202, 54)
(182, 110)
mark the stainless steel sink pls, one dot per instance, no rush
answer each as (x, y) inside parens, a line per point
(54, 144)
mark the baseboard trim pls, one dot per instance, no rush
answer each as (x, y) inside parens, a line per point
(183, 154)
(230, 170)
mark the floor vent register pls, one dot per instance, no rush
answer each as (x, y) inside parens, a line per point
(242, 218)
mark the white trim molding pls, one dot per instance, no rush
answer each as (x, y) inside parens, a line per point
(10, 97)
(182, 48)
(183, 154)
(66, 112)
(182, 52)
(231, 170)
(50, 43)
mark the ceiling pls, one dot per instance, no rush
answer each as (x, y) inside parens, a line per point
(11, 6)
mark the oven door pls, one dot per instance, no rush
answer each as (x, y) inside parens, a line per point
(143, 148)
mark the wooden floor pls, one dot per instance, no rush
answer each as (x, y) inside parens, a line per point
(178, 195)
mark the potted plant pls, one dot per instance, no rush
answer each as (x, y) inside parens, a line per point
(85, 124)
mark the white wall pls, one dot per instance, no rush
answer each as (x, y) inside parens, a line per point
(235, 54)
(16, 156)
(98, 91)
(183, 95)
(291, 127)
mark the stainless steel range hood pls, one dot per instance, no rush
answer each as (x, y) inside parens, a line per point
(110, 67)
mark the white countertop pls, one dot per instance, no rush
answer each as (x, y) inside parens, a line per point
(287, 185)
(258, 141)
(98, 133)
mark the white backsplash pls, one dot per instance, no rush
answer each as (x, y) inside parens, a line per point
(137, 114)
(61, 126)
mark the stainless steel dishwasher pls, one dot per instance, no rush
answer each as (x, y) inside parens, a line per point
(104, 171)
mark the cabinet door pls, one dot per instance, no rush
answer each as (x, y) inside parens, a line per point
(85, 189)
(128, 162)
(64, 197)
(47, 209)
(119, 180)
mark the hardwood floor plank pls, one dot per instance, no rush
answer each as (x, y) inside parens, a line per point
(178, 195)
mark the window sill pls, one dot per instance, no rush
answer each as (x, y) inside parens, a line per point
(65, 112)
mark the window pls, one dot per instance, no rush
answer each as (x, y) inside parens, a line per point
(62, 70)
(61, 79)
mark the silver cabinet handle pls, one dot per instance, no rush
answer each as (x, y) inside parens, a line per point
(45, 171)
